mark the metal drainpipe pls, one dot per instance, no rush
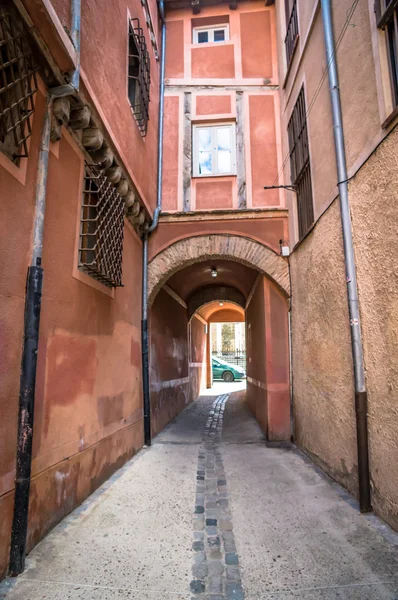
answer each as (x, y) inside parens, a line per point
(33, 294)
(144, 318)
(352, 289)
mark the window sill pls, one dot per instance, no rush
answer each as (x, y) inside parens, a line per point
(211, 175)
(390, 118)
(212, 44)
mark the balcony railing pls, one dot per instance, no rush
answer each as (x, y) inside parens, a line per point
(291, 33)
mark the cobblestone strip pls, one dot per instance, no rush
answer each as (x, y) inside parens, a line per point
(215, 571)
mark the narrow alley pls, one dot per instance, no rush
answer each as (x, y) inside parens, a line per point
(186, 518)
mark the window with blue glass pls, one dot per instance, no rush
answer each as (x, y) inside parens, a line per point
(214, 150)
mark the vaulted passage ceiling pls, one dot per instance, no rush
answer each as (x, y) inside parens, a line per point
(197, 276)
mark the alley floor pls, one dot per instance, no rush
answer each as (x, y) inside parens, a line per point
(211, 512)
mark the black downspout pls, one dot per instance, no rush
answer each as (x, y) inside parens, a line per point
(33, 294)
(34, 284)
(144, 318)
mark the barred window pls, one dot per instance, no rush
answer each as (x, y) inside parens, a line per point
(292, 31)
(18, 85)
(138, 75)
(101, 234)
(300, 165)
(387, 19)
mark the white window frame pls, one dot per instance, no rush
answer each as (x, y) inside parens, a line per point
(211, 29)
(214, 150)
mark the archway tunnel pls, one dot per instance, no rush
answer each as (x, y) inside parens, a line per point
(183, 310)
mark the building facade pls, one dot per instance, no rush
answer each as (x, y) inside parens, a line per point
(246, 113)
(324, 409)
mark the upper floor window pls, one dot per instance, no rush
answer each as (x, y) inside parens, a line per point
(139, 79)
(216, 33)
(387, 19)
(101, 232)
(300, 166)
(214, 150)
(18, 86)
(292, 31)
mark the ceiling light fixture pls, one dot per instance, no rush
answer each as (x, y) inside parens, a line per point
(214, 272)
(221, 303)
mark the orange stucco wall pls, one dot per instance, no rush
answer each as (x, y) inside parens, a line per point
(175, 49)
(88, 404)
(213, 105)
(267, 231)
(104, 48)
(264, 167)
(213, 193)
(214, 61)
(256, 43)
(170, 153)
(268, 394)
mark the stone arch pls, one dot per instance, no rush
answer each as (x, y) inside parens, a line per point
(219, 246)
(208, 294)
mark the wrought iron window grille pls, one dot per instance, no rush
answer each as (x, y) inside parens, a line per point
(101, 233)
(292, 31)
(300, 164)
(139, 79)
(18, 86)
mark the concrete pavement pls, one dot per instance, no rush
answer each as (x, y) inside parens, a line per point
(209, 492)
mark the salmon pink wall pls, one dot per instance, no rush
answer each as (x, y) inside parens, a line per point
(88, 404)
(175, 49)
(213, 61)
(197, 363)
(263, 149)
(256, 40)
(268, 393)
(17, 200)
(213, 105)
(170, 153)
(104, 50)
(213, 194)
(169, 374)
(267, 231)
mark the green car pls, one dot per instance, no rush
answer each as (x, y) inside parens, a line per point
(223, 370)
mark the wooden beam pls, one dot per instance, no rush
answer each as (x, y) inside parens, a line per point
(233, 5)
(269, 2)
(195, 6)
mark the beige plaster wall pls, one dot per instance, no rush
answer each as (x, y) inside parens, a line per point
(373, 197)
(359, 94)
(323, 393)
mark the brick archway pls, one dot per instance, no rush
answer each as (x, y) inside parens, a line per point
(227, 247)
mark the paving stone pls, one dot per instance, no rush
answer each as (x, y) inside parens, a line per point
(214, 553)
(213, 542)
(234, 591)
(229, 546)
(198, 523)
(224, 525)
(215, 567)
(215, 597)
(199, 558)
(232, 572)
(197, 586)
(228, 536)
(199, 510)
(198, 546)
(200, 571)
(211, 530)
(214, 585)
(211, 522)
(231, 558)
(198, 535)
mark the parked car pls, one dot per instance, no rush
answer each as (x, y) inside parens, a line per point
(223, 370)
